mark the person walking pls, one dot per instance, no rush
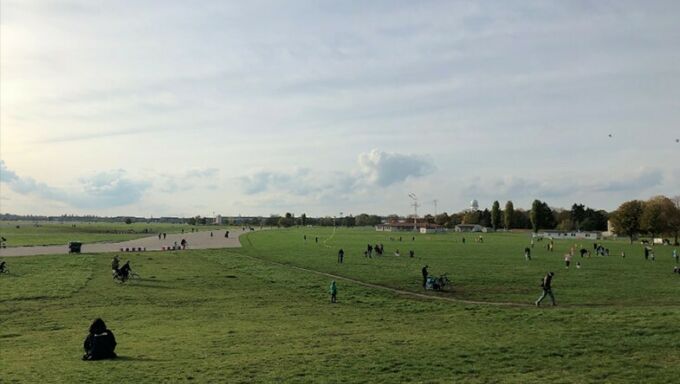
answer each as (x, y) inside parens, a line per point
(527, 253)
(675, 254)
(341, 256)
(425, 274)
(567, 259)
(334, 292)
(546, 284)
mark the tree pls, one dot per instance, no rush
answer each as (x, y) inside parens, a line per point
(660, 215)
(508, 214)
(496, 215)
(485, 218)
(272, 220)
(128, 220)
(520, 219)
(675, 218)
(563, 220)
(578, 214)
(287, 221)
(541, 216)
(652, 219)
(471, 217)
(442, 218)
(626, 219)
(454, 219)
(303, 219)
(535, 215)
(595, 220)
(362, 220)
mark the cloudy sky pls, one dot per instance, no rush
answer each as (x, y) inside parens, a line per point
(189, 108)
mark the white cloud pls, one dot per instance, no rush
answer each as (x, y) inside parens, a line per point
(384, 169)
(99, 191)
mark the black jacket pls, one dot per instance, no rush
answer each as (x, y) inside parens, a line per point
(99, 346)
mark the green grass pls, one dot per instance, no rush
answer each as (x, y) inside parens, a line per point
(234, 316)
(41, 233)
(494, 270)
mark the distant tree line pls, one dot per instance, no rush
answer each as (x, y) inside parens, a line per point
(657, 216)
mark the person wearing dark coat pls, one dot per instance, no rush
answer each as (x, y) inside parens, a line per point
(425, 274)
(100, 342)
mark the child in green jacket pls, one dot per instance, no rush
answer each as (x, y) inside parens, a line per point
(334, 292)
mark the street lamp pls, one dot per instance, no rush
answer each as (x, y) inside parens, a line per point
(415, 210)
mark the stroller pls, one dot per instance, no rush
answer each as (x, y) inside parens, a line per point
(437, 283)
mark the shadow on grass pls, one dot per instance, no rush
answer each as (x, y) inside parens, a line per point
(133, 358)
(148, 285)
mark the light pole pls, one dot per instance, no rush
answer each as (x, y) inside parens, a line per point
(415, 210)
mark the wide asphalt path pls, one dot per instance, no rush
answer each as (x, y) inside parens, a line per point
(195, 240)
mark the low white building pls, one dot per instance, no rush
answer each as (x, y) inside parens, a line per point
(432, 229)
(405, 226)
(469, 228)
(584, 235)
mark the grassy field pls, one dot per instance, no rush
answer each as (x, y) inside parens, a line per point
(238, 316)
(39, 233)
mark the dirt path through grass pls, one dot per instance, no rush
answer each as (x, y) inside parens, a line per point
(393, 290)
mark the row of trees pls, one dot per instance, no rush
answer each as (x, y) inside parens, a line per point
(541, 216)
(657, 216)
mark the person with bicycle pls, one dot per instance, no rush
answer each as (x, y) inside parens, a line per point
(115, 264)
(124, 271)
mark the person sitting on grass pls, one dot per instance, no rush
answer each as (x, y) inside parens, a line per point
(334, 292)
(3, 267)
(100, 342)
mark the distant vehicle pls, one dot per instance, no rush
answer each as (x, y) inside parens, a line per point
(74, 246)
